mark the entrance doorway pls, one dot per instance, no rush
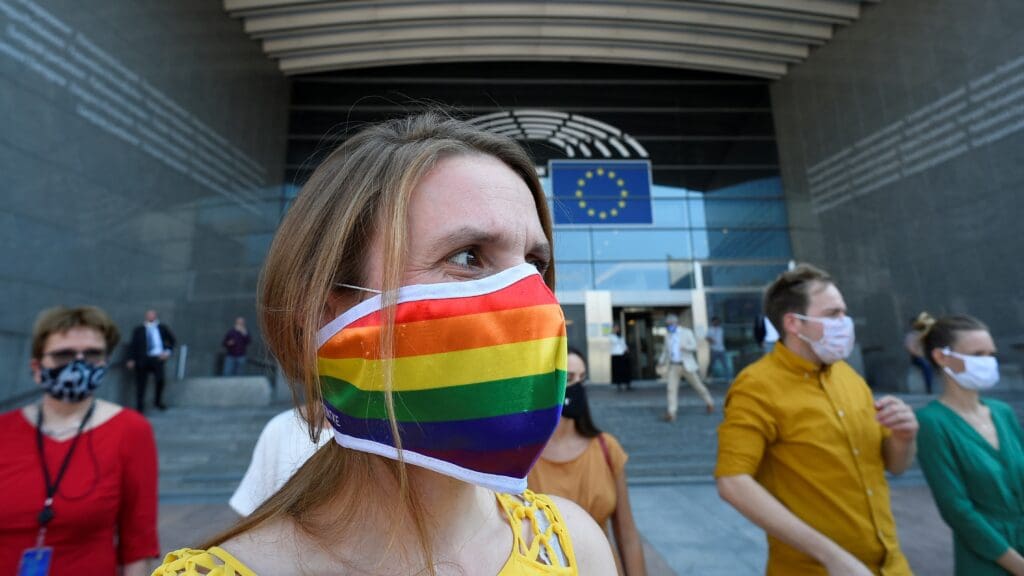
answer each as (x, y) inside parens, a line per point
(643, 328)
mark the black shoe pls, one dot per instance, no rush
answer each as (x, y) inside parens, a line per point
(161, 406)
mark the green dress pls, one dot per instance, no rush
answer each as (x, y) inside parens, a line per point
(979, 490)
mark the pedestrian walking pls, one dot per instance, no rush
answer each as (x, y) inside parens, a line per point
(803, 448)
(678, 360)
(971, 450)
(716, 345)
(622, 365)
(151, 345)
(912, 342)
(588, 466)
(78, 476)
(235, 343)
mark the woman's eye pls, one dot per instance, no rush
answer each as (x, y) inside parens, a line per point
(465, 258)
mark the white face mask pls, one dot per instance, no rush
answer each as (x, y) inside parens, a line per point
(980, 372)
(836, 341)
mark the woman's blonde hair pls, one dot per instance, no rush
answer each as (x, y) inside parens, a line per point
(943, 332)
(362, 188)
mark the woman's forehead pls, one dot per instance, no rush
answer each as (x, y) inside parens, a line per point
(77, 335)
(477, 190)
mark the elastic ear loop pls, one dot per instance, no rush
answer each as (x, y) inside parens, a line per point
(354, 287)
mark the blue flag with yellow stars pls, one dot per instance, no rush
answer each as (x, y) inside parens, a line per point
(609, 192)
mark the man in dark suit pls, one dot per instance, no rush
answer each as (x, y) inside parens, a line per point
(148, 351)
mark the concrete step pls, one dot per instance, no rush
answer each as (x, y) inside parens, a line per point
(205, 450)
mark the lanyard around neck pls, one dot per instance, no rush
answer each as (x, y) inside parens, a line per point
(46, 514)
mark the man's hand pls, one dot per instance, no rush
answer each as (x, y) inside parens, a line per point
(130, 364)
(165, 355)
(895, 415)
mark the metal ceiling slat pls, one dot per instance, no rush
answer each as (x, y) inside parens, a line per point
(362, 37)
(694, 15)
(843, 9)
(752, 37)
(348, 59)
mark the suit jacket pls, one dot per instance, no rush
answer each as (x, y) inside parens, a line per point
(138, 347)
(686, 344)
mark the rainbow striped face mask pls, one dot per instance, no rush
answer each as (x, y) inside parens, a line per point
(479, 375)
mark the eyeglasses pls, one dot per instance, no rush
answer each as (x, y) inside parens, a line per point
(69, 355)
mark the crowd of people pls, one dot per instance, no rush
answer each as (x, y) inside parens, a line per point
(441, 424)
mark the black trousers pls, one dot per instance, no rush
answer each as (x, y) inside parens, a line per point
(622, 369)
(151, 365)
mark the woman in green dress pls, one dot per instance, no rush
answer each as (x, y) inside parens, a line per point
(971, 450)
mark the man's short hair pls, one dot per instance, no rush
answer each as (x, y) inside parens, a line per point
(790, 292)
(61, 319)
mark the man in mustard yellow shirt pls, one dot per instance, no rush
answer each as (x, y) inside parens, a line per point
(803, 447)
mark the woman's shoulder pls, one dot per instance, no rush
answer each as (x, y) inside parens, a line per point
(610, 441)
(268, 548)
(998, 406)
(932, 413)
(589, 543)
(122, 419)
(14, 426)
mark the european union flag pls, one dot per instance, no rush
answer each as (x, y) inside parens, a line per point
(609, 192)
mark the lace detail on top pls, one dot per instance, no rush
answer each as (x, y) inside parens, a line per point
(212, 562)
(549, 551)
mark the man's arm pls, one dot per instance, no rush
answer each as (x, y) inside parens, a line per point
(899, 448)
(764, 510)
(169, 340)
(687, 341)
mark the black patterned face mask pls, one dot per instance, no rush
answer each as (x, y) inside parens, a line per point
(72, 382)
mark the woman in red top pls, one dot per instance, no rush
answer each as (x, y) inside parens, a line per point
(78, 477)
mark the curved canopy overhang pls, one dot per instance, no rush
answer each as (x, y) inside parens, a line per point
(749, 37)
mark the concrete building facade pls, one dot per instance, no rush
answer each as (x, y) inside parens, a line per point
(150, 149)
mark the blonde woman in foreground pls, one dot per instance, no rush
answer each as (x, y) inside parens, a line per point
(407, 296)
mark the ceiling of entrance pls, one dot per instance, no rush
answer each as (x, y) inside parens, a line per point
(750, 37)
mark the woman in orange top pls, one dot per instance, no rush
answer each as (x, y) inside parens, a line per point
(588, 466)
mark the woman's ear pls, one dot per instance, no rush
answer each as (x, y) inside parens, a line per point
(36, 368)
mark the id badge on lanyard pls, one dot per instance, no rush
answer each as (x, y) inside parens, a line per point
(36, 561)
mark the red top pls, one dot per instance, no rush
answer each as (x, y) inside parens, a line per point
(106, 507)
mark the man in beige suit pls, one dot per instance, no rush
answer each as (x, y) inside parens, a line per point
(679, 360)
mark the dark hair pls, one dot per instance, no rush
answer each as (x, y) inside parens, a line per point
(61, 319)
(790, 292)
(944, 331)
(585, 423)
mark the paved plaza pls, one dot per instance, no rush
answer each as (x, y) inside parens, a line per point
(687, 529)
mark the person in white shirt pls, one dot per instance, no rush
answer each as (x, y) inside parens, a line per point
(678, 360)
(622, 367)
(282, 448)
(716, 343)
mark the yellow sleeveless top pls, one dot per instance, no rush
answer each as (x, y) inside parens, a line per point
(548, 553)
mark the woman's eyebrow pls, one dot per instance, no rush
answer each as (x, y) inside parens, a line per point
(470, 235)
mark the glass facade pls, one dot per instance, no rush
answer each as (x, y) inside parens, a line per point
(729, 244)
(738, 235)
